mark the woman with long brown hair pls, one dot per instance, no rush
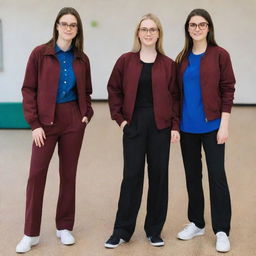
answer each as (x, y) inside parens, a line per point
(206, 81)
(143, 100)
(57, 105)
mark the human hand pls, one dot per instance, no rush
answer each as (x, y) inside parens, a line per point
(38, 136)
(85, 120)
(222, 135)
(123, 124)
(175, 136)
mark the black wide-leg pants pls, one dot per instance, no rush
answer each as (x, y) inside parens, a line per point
(142, 139)
(191, 145)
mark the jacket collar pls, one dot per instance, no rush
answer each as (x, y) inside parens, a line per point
(207, 51)
(50, 50)
(58, 49)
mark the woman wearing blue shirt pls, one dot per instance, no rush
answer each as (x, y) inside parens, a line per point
(206, 83)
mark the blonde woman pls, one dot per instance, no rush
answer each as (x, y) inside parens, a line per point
(143, 100)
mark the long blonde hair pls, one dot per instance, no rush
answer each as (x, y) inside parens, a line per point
(159, 44)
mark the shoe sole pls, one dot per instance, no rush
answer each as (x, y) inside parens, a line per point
(159, 244)
(188, 238)
(67, 243)
(223, 251)
(112, 246)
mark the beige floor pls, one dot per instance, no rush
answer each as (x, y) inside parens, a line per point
(98, 183)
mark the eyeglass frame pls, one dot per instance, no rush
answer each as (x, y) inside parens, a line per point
(151, 31)
(198, 25)
(65, 25)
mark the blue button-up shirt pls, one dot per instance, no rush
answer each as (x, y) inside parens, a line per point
(67, 82)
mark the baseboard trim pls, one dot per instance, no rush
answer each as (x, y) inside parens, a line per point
(235, 104)
(11, 116)
(245, 104)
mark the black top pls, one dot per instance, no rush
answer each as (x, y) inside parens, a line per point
(144, 92)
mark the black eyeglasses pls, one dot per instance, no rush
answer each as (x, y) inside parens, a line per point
(65, 25)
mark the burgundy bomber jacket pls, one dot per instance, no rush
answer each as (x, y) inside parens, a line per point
(123, 85)
(40, 86)
(217, 81)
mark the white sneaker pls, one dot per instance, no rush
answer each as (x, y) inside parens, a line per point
(26, 243)
(190, 231)
(222, 242)
(65, 236)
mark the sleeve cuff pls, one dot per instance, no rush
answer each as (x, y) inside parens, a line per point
(35, 124)
(226, 108)
(89, 114)
(175, 126)
(119, 120)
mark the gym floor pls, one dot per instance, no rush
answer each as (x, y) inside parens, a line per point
(98, 184)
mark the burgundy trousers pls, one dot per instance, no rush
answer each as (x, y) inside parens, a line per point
(67, 131)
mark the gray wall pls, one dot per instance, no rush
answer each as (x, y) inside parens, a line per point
(27, 23)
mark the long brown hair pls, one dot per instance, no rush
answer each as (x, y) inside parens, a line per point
(78, 41)
(188, 40)
(159, 44)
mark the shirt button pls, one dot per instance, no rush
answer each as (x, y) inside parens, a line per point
(65, 82)
(64, 61)
(65, 70)
(63, 92)
(51, 123)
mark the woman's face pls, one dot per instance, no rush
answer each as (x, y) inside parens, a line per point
(148, 33)
(67, 27)
(198, 28)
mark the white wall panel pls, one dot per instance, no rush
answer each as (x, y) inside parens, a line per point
(28, 23)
